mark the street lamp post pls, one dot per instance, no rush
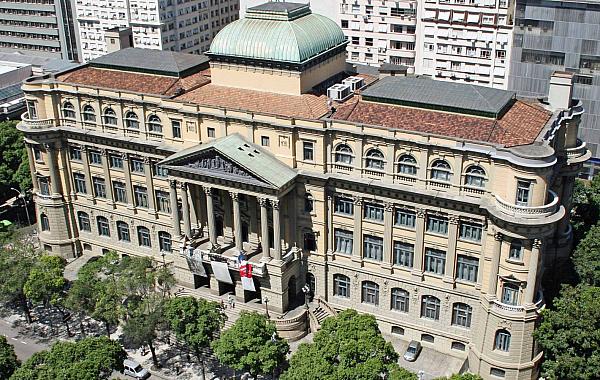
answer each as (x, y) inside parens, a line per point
(306, 291)
(21, 195)
(266, 301)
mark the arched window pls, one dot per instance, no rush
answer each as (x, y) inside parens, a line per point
(68, 110)
(375, 160)
(131, 120)
(309, 203)
(144, 237)
(430, 307)
(440, 170)
(370, 293)
(475, 176)
(84, 221)
(341, 286)
(502, 341)
(164, 241)
(343, 155)
(407, 165)
(461, 314)
(110, 117)
(123, 231)
(44, 222)
(154, 124)
(103, 226)
(516, 250)
(89, 114)
(400, 300)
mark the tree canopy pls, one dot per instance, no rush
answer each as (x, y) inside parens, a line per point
(14, 164)
(17, 261)
(587, 257)
(8, 359)
(252, 345)
(585, 211)
(348, 347)
(90, 358)
(570, 335)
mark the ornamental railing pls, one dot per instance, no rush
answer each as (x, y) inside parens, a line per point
(528, 211)
(36, 123)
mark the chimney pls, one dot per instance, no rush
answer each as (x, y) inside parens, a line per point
(560, 90)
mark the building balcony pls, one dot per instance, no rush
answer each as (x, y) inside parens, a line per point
(578, 154)
(538, 305)
(528, 211)
(36, 123)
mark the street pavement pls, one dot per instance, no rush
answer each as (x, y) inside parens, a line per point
(24, 347)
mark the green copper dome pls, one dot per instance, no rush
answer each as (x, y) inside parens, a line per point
(277, 31)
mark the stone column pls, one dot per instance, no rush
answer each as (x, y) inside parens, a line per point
(228, 223)
(451, 253)
(276, 230)
(210, 212)
(174, 208)
(52, 165)
(129, 184)
(419, 237)
(388, 221)
(237, 221)
(357, 235)
(31, 159)
(107, 177)
(150, 185)
(264, 227)
(533, 269)
(329, 216)
(495, 265)
(185, 203)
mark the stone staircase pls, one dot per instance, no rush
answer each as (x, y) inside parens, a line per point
(320, 314)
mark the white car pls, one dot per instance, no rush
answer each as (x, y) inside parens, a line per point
(412, 351)
(135, 370)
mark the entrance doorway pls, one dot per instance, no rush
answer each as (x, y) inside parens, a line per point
(225, 288)
(201, 282)
(312, 285)
(219, 226)
(292, 293)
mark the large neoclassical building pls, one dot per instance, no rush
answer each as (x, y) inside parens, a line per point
(435, 206)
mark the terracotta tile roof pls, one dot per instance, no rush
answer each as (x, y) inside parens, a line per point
(520, 125)
(306, 106)
(128, 81)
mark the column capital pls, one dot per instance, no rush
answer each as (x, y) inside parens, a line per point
(207, 190)
(357, 200)
(49, 146)
(234, 195)
(183, 186)
(420, 212)
(498, 236)
(388, 206)
(275, 203)
(124, 156)
(146, 160)
(173, 183)
(453, 219)
(537, 244)
(104, 152)
(263, 202)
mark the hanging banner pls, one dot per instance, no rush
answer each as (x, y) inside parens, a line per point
(194, 260)
(221, 271)
(246, 276)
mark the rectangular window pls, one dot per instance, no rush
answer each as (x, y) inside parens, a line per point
(467, 268)
(523, 192)
(75, 154)
(373, 212)
(79, 181)
(116, 161)
(264, 140)
(405, 218)
(160, 171)
(355, 40)
(163, 202)
(176, 128)
(211, 132)
(308, 151)
(400, 300)
(141, 196)
(373, 248)
(37, 154)
(341, 286)
(404, 254)
(461, 315)
(137, 166)
(99, 187)
(119, 191)
(510, 294)
(95, 158)
(343, 241)
(343, 206)
(435, 261)
(470, 232)
(437, 225)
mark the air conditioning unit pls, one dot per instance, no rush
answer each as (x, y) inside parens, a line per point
(355, 83)
(339, 92)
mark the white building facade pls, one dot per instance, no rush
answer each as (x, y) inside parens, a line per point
(465, 40)
(177, 25)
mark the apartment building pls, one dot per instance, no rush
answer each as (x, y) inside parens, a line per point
(177, 25)
(435, 206)
(465, 40)
(44, 28)
(552, 35)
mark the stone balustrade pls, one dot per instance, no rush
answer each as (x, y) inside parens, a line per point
(36, 123)
(528, 211)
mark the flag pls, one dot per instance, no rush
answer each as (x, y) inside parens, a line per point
(246, 276)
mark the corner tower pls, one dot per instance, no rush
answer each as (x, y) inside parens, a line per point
(278, 47)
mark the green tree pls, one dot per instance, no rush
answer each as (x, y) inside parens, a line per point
(569, 335)
(196, 322)
(252, 345)
(587, 257)
(348, 346)
(8, 359)
(400, 373)
(14, 164)
(90, 358)
(17, 259)
(585, 211)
